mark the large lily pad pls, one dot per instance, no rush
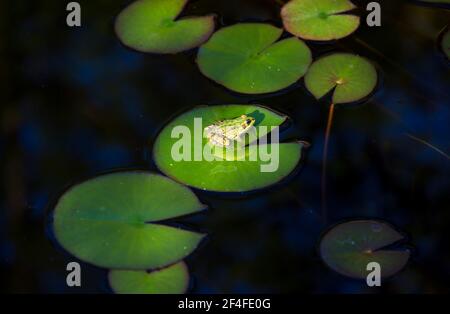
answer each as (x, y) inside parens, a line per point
(152, 26)
(445, 42)
(110, 221)
(225, 174)
(171, 280)
(319, 19)
(352, 77)
(249, 58)
(348, 247)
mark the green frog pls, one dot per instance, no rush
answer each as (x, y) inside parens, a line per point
(224, 133)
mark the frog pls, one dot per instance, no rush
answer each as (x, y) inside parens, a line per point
(224, 133)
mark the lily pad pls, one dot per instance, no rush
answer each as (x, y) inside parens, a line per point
(111, 221)
(152, 26)
(319, 20)
(249, 58)
(348, 247)
(445, 42)
(222, 174)
(171, 280)
(352, 77)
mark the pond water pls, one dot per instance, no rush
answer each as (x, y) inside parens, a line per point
(79, 104)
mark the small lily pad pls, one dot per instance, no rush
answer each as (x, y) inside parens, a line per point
(249, 58)
(173, 279)
(152, 26)
(445, 42)
(352, 77)
(319, 20)
(236, 174)
(348, 247)
(110, 221)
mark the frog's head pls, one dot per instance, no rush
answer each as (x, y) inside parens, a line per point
(247, 122)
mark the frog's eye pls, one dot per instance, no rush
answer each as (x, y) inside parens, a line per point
(248, 121)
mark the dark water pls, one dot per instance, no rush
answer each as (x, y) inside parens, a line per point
(76, 103)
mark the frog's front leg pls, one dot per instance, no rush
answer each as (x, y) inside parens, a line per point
(241, 140)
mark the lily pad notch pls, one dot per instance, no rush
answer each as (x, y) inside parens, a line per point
(349, 247)
(350, 78)
(319, 20)
(153, 26)
(250, 58)
(113, 221)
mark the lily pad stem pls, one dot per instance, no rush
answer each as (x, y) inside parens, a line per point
(324, 163)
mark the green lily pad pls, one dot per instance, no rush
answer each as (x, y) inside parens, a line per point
(249, 58)
(352, 77)
(445, 42)
(235, 174)
(319, 19)
(348, 247)
(110, 221)
(171, 280)
(152, 26)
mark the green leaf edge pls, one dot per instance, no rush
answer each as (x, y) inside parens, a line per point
(180, 264)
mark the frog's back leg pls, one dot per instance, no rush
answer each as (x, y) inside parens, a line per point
(208, 131)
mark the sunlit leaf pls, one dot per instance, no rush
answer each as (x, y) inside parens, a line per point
(152, 26)
(250, 58)
(319, 19)
(111, 221)
(236, 174)
(351, 77)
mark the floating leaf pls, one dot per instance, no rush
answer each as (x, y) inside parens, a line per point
(319, 19)
(171, 280)
(348, 247)
(248, 58)
(152, 26)
(224, 174)
(445, 42)
(109, 221)
(352, 77)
